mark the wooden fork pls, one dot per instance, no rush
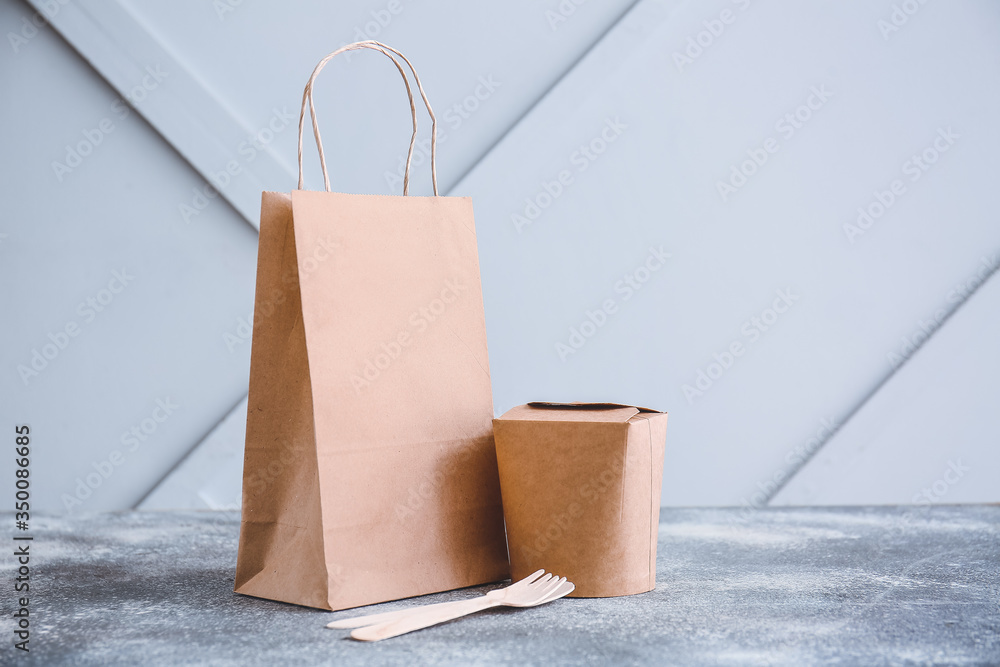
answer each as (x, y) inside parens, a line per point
(373, 619)
(537, 589)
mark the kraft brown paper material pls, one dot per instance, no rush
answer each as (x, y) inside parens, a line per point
(361, 483)
(581, 493)
(370, 471)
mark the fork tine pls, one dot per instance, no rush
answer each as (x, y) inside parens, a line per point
(548, 587)
(559, 581)
(537, 583)
(533, 577)
(562, 590)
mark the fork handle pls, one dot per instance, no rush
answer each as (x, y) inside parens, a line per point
(417, 620)
(373, 619)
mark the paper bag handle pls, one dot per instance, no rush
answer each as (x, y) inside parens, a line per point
(388, 51)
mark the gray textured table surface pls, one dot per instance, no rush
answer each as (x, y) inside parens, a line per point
(858, 586)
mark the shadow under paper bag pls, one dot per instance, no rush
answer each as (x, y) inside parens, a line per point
(580, 484)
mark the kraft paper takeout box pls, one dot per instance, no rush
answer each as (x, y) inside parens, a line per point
(580, 484)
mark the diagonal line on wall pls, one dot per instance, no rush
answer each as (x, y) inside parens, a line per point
(537, 101)
(180, 462)
(120, 48)
(187, 114)
(878, 387)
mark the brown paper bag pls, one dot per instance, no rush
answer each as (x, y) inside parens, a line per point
(370, 472)
(581, 493)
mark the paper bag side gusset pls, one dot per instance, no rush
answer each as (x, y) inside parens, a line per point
(281, 520)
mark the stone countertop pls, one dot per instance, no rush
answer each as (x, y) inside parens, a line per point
(851, 586)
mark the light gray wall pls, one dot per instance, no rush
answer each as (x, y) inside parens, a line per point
(68, 235)
(669, 121)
